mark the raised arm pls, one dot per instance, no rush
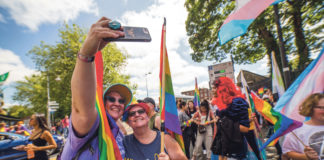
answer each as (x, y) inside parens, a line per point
(83, 83)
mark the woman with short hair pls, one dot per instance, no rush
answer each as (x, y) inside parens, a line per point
(311, 133)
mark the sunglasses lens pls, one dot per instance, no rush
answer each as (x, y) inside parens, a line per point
(140, 111)
(121, 101)
(133, 113)
(111, 99)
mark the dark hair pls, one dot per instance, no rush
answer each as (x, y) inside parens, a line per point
(41, 120)
(205, 104)
(182, 104)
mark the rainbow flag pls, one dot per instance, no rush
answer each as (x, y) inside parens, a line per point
(168, 107)
(107, 143)
(197, 96)
(261, 91)
(282, 124)
(237, 23)
(277, 82)
(310, 81)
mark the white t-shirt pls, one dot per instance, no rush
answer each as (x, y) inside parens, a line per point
(312, 136)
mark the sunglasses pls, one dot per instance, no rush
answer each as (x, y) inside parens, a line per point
(319, 107)
(113, 100)
(133, 113)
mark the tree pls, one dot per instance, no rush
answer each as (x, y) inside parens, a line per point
(19, 111)
(206, 17)
(53, 61)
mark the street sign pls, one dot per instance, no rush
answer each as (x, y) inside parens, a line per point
(53, 103)
(53, 107)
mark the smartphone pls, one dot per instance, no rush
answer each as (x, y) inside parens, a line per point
(133, 34)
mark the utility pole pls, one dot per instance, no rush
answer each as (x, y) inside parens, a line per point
(285, 67)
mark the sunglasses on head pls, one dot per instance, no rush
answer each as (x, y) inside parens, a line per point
(113, 100)
(133, 113)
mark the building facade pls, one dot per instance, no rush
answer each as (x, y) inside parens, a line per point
(220, 70)
(204, 93)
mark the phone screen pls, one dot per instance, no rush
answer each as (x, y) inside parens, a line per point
(133, 34)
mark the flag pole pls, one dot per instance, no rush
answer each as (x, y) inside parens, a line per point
(163, 88)
(252, 111)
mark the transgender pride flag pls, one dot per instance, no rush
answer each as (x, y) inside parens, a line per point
(237, 23)
(197, 96)
(309, 82)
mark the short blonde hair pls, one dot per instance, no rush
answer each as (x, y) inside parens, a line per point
(306, 108)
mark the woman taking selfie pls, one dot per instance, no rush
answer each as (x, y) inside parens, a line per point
(40, 137)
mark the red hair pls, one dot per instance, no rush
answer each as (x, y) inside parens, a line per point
(226, 92)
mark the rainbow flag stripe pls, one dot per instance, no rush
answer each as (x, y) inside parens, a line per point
(168, 112)
(282, 124)
(107, 143)
(197, 96)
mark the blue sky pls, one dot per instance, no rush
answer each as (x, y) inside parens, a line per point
(24, 24)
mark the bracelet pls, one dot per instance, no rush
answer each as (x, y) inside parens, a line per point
(87, 59)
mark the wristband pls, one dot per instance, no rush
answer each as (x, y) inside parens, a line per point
(87, 59)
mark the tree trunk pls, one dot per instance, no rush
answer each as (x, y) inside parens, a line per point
(300, 40)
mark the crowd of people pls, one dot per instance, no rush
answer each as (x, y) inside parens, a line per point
(222, 126)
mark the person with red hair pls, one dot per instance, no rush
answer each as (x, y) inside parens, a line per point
(233, 120)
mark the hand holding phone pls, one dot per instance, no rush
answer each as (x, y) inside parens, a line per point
(132, 34)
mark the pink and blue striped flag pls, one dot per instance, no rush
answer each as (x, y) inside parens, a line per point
(237, 23)
(197, 96)
(277, 82)
(310, 81)
(169, 112)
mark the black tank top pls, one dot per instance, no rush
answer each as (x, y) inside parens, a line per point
(40, 155)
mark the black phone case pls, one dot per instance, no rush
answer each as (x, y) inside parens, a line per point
(133, 34)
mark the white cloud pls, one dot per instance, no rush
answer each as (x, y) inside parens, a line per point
(2, 18)
(12, 63)
(36, 12)
(145, 57)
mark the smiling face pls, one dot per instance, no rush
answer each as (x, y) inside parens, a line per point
(115, 105)
(137, 117)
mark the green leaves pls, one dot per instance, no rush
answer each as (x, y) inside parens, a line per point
(55, 64)
(205, 18)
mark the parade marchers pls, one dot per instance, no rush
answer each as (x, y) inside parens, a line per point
(217, 128)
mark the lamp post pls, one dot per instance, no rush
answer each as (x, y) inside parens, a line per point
(49, 101)
(146, 82)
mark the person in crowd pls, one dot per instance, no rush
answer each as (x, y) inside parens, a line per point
(186, 129)
(65, 125)
(145, 143)
(11, 129)
(306, 142)
(204, 118)
(84, 124)
(59, 128)
(190, 112)
(3, 127)
(178, 105)
(233, 120)
(155, 120)
(21, 129)
(41, 138)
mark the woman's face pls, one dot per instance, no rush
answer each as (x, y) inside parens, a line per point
(190, 105)
(318, 111)
(33, 121)
(203, 109)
